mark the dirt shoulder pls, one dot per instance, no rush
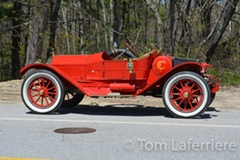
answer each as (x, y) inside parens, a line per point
(226, 99)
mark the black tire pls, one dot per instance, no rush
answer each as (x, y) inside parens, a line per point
(42, 91)
(72, 98)
(186, 94)
(128, 54)
(212, 98)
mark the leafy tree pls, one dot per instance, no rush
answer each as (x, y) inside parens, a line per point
(220, 27)
(204, 30)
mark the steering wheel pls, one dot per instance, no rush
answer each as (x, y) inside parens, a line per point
(114, 53)
(130, 47)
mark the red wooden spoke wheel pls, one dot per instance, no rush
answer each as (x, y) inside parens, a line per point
(42, 91)
(186, 94)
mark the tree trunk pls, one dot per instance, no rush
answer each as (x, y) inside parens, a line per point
(105, 24)
(218, 31)
(159, 24)
(38, 27)
(124, 13)
(205, 14)
(27, 35)
(81, 28)
(146, 26)
(16, 32)
(168, 41)
(54, 10)
(64, 15)
(186, 33)
(72, 30)
(116, 21)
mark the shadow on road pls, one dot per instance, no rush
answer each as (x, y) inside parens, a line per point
(116, 110)
(126, 110)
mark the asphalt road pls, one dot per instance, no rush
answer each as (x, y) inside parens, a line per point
(122, 132)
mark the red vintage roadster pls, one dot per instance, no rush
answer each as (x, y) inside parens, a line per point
(183, 84)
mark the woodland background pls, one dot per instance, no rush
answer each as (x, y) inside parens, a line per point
(207, 30)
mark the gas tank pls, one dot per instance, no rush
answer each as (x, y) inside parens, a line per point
(162, 64)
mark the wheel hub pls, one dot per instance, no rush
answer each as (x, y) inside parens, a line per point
(41, 92)
(186, 95)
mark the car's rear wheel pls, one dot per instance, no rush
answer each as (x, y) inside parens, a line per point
(186, 94)
(212, 98)
(72, 98)
(42, 91)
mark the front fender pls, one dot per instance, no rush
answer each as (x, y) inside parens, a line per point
(62, 75)
(36, 66)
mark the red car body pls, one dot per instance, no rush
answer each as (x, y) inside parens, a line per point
(100, 75)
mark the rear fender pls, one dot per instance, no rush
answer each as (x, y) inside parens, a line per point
(188, 66)
(159, 80)
(59, 73)
(199, 68)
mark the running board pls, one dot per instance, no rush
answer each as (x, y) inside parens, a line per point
(112, 95)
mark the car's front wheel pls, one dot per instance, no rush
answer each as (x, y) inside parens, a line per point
(186, 94)
(42, 91)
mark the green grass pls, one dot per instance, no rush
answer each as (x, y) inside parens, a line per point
(226, 77)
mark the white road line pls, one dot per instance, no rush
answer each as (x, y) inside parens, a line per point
(15, 158)
(124, 122)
